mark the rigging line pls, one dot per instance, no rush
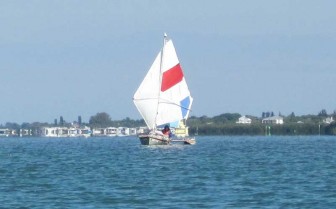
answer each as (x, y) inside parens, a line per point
(172, 103)
(166, 101)
(160, 77)
(145, 99)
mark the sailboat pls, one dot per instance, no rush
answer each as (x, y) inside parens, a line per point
(163, 97)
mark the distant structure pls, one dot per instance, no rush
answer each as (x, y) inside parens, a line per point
(85, 131)
(114, 131)
(65, 132)
(273, 120)
(73, 131)
(6, 132)
(328, 120)
(244, 120)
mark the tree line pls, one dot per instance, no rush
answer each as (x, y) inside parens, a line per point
(223, 124)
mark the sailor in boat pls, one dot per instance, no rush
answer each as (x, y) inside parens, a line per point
(166, 131)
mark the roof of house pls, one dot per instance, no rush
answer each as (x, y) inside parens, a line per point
(274, 118)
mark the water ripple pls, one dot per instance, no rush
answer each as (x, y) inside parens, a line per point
(217, 172)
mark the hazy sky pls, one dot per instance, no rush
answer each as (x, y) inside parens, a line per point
(69, 58)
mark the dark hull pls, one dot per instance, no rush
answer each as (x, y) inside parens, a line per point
(153, 140)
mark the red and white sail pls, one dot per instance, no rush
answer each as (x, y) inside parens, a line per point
(163, 96)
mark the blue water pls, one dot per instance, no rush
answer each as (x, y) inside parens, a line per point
(217, 172)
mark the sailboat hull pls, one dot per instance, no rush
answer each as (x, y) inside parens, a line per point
(153, 140)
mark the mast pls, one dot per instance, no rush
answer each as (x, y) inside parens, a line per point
(160, 77)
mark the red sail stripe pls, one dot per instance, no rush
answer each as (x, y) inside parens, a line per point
(171, 77)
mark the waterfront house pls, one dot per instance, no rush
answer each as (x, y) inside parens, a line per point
(244, 120)
(111, 131)
(4, 132)
(98, 132)
(141, 130)
(328, 120)
(122, 131)
(273, 120)
(25, 132)
(49, 132)
(65, 132)
(132, 131)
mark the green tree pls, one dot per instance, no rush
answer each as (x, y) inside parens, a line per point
(101, 119)
(226, 117)
(61, 121)
(331, 129)
(79, 120)
(12, 125)
(291, 117)
(323, 113)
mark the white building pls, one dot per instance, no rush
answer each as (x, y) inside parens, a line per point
(49, 132)
(98, 132)
(244, 120)
(4, 132)
(273, 120)
(111, 131)
(328, 120)
(65, 132)
(114, 131)
(25, 132)
(142, 130)
(85, 132)
(132, 131)
(122, 131)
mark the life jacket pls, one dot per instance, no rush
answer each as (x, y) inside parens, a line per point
(165, 132)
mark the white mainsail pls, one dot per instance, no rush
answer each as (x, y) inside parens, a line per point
(163, 96)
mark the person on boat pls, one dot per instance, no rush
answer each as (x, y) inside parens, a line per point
(166, 131)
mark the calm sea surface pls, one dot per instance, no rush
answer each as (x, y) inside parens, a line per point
(217, 172)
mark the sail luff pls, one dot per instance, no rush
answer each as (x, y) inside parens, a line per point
(160, 77)
(146, 96)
